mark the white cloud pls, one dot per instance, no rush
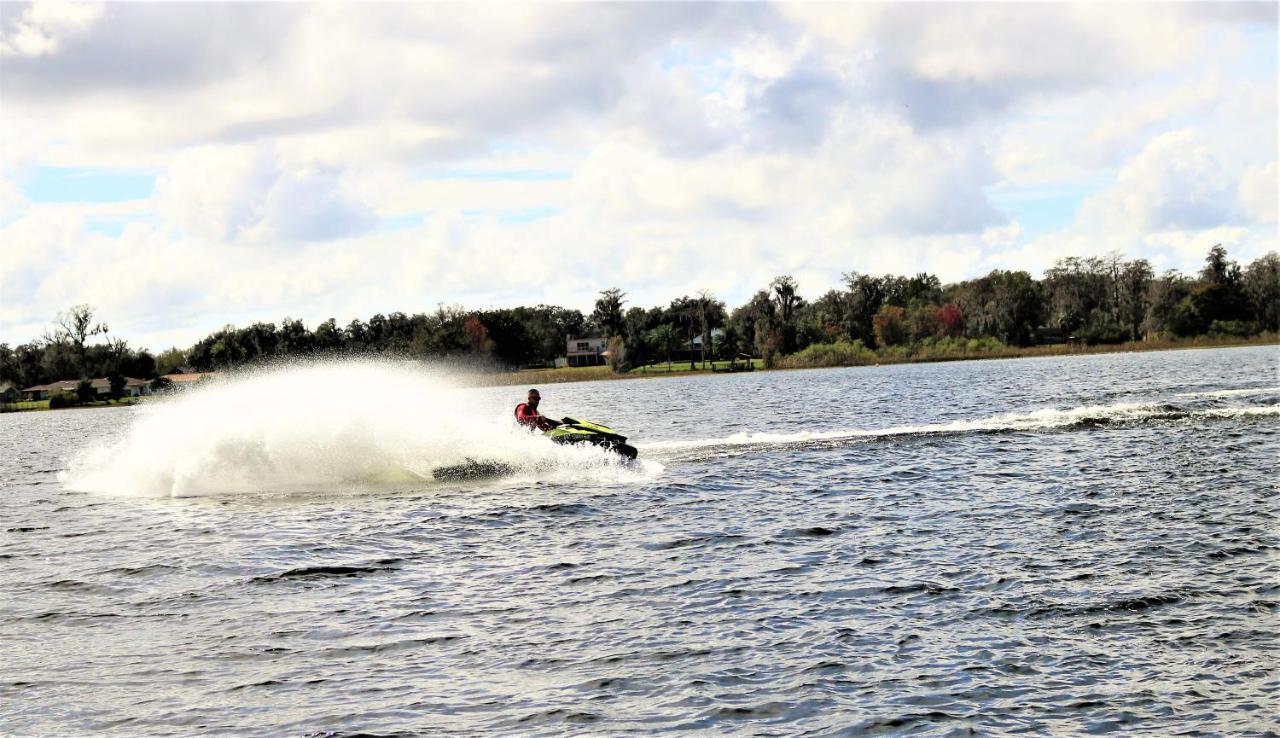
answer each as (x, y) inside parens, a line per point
(1175, 182)
(1115, 136)
(541, 152)
(45, 26)
(1257, 191)
(248, 194)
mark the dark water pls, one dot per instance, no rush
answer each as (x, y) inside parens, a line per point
(1065, 546)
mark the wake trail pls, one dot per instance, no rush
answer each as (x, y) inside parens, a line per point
(1233, 392)
(1037, 420)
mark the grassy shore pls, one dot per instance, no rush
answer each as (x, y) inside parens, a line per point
(533, 377)
(28, 405)
(836, 355)
(818, 356)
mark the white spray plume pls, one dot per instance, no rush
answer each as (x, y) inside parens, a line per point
(326, 427)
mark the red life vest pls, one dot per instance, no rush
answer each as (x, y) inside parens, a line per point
(529, 417)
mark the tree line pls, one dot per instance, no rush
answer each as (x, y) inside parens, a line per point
(1088, 300)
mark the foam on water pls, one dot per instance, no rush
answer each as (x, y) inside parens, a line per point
(324, 427)
(1234, 392)
(1044, 419)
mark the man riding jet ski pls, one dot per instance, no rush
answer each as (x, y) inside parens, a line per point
(570, 430)
(565, 430)
(528, 416)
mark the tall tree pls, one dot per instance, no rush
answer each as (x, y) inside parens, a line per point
(608, 314)
(1262, 284)
(1163, 299)
(711, 316)
(663, 337)
(866, 295)
(1132, 284)
(1218, 269)
(75, 327)
(1005, 305)
(786, 297)
(755, 320)
(477, 336)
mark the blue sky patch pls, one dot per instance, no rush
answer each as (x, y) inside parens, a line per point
(1043, 208)
(710, 69)
(58, 184)
(109, 228)
(513, 216)
(402, 222)
(495, 175)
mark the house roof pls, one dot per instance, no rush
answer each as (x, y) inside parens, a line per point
(190, 377)
(69, 385)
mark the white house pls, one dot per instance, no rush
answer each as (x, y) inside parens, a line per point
(179, 381)
(717, 335)
(101, 388)
(585, 351)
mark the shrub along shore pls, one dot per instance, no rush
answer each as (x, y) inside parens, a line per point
(846, 354)
(1093, 304)
(817, 356)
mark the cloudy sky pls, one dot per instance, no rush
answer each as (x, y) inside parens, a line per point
(183, 166)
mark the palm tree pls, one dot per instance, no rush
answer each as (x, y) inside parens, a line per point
(711, 315)
(664, 336)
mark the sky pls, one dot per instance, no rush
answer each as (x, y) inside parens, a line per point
(183, 166)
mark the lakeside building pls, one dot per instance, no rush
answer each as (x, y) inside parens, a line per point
(585, 351)
(695, 344)
(9, 392)
(190, 379)
(101, 387)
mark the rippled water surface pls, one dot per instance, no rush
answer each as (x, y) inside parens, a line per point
(1075, 545)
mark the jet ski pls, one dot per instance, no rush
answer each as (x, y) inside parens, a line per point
(570, 431)
(573, 431)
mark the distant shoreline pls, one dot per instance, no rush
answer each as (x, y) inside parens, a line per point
(532, 377)
(602, 373)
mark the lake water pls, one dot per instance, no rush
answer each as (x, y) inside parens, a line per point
(1062, 545)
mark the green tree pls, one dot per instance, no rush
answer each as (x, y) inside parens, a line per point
(1076, 290)
(117, 383)
(829, 316)
(755, 320)
(711, 315)
(906, 292)
(85, 392)
(664, 338)
(10, 369)
(923, 322)
(685, 314)
(76, 326)
(327, 336)
(60, 360)
(608, 312)
(866, 295)
(1004, 305)
(786, 297)
(172, 361)
(890, 326)
(477, 336)
(1211, 303)
(1163, 304)
(617, 358)
(1133, 283)
(1262, 285)
(1218, 269)
(1220, 297)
